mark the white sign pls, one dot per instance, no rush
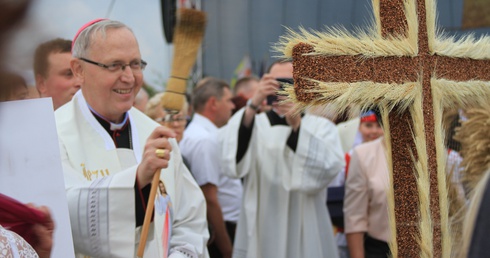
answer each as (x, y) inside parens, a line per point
(30, 164)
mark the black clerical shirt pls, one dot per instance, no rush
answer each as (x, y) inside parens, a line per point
(121, 135)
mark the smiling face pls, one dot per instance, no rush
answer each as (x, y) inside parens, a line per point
(370, 131)
(110, 93)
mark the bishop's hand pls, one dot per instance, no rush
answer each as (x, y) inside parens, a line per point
(156, 155)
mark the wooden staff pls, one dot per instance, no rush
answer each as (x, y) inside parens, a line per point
(189, 32)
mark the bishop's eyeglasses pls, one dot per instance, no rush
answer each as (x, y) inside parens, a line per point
(136, 65)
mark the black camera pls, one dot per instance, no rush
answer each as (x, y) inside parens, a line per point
(273, 98)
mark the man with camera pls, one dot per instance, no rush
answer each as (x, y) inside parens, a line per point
(286, 161)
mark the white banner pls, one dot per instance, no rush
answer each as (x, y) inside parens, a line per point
(30, 164)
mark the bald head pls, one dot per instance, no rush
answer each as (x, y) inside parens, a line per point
(281, 70)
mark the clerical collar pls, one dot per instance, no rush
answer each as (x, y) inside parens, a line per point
(276, 119)
(279, 115)
(120, 133)
(113, 126)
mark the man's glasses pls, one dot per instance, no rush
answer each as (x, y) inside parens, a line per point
(136, 66)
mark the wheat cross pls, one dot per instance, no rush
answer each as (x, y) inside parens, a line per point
(412, 72)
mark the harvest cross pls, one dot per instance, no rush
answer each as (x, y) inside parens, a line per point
(411, 73)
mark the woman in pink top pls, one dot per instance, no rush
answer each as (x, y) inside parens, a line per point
(365, 203)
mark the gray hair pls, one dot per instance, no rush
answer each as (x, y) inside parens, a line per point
(205, 89)
(82, 42)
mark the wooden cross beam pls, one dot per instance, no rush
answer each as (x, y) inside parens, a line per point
(404, 67)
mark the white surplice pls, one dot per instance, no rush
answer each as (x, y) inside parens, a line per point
(100, 179)
(284, 211)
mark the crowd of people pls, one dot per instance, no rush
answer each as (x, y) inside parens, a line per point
(242, 175)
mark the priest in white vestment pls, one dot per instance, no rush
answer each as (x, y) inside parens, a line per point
(110, 152)
(286, 162)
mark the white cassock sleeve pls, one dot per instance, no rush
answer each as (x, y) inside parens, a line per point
(317, 160)
(189, 229)
(318, 157)
(228, 141)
